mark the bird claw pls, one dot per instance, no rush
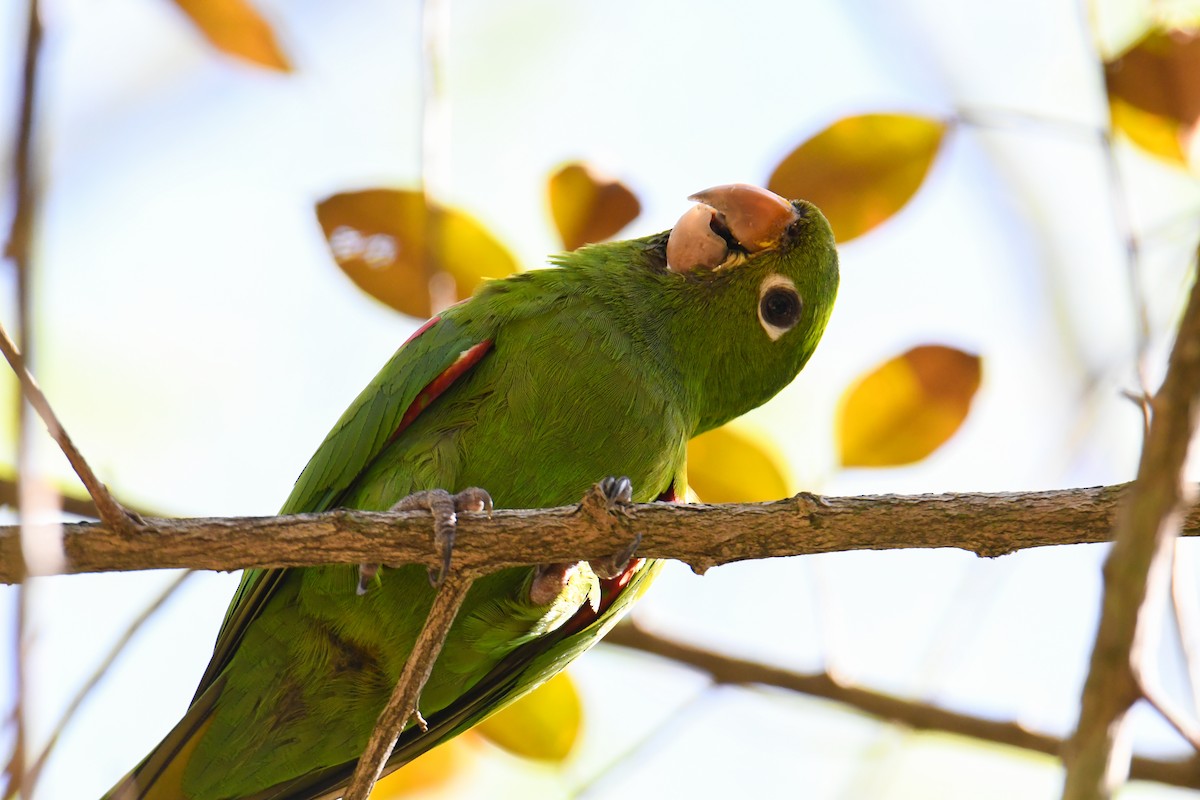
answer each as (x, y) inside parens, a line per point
(614, 565)
(444, 507)
(617, 491)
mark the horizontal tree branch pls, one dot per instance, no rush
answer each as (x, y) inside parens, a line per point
(702, 536)
(912, 713)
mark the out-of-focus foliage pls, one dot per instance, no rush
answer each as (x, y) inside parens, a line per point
(734, 464)
(907, 407)
(543, 724)
(431, 771)
(415, 256)
(861, 170)
(236, 28)
(1154, 92)
(589, 206)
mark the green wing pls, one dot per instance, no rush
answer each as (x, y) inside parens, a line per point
(363, 431)
(522, 671)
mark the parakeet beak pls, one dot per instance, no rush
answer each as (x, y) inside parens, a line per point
(755, 219)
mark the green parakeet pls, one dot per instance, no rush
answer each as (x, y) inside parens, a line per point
(534, 389)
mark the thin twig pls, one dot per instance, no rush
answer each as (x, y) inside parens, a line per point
(1096, 760)
(911, 713)
(19, 249)
(1174, 716)
(73, 501)
(434, 140)
(403, 705)
(102, 670)
(1185, 601)
(109, 509)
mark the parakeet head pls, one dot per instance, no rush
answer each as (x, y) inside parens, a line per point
(751, 279)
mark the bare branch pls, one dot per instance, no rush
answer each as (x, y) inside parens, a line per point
(1185, 601)
(74, 501)
(1139, 562)
(402, 706)
(110, 511)
(19, 248)
(1174, 716)
(911, 713)
(700, 535)
(102, 670)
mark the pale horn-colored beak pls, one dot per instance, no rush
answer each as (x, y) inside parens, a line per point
(755, 217)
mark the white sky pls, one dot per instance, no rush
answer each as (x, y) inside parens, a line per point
(198, 340)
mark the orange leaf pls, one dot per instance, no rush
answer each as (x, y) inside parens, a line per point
(235, 28)
(733, 465)
(861, 170)
(1157, 135)
(588, 206)
(543, 724)
(1154, 92)
(417, 258)
(907, 407)
(430, 770)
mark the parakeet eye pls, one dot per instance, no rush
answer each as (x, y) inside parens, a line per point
(779, 306)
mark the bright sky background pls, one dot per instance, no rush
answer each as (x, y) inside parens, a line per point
(198, 340)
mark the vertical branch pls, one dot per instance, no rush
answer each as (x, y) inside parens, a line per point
(435, 144)
(18, 249)
(1097, 756)
(402, 706)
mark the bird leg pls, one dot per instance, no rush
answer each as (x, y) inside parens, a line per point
(618, 492)
(444, 507)
(550, 579)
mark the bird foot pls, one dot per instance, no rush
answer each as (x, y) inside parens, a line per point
(444, 507)
(617, 492)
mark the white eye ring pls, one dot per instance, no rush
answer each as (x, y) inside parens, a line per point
(777, 281)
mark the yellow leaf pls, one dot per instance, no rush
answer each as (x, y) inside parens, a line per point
(733, 465)
(907, 407)
(1154, 92)
(431, 770)
(417, 258)
(234, 27)
(1156, 135)
(588, 206)
(861, 170)
(543, 724)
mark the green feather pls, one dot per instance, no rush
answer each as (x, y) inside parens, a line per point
(604, 366)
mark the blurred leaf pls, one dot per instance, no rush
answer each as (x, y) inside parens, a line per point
(1154, 92)
(1156, 135)
(907, 407)
(588, 206)
(235, 28)
(543, 724)
(861, 170)
(732, 465)
(404, 253)
(431, 770)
